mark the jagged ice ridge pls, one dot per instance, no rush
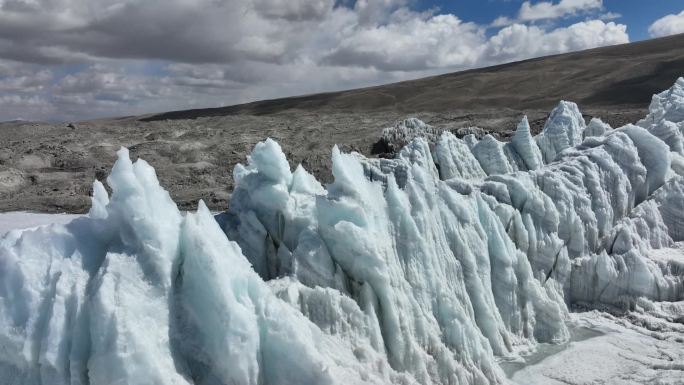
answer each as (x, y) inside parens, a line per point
(421, 269)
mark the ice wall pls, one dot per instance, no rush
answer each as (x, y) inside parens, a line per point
(399, 241)
(419, 269)
(529, 226)
(563, 130)
(138, 293)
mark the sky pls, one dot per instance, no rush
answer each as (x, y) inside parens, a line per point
(69, 60)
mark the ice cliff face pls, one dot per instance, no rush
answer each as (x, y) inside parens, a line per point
(140, 294)
(563, 130)
(416, 270)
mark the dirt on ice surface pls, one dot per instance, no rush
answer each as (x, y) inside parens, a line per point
(51, 167)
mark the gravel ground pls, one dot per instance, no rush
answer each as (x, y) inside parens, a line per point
(51, 167)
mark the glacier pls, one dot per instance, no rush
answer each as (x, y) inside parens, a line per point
(428, 268)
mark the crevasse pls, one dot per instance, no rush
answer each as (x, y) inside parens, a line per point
(423, 269)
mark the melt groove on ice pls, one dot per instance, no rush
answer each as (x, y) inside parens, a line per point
(423, 269)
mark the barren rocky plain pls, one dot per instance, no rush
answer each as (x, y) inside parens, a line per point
(50, 167)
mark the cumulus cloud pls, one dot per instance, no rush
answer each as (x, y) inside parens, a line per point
(520, 41)
(668, 25)
(294, 9)
(547, 10)
(18, 107)
(18, 78)
(176, 30)
(609, 16)
(87, 58)
(410, 45)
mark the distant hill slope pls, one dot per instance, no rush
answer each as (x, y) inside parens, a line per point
(621, 76)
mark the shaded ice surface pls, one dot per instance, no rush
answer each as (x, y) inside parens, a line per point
(429, 268)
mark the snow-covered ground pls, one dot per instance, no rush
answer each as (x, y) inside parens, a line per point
(24, 220)
(643, 346)
(635, 348)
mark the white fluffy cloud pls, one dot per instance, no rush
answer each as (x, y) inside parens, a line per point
(520, 41)
(294, 9)
(547, 10)
(411, 44)
(668, 25)
(18, 78)
(107, 57)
